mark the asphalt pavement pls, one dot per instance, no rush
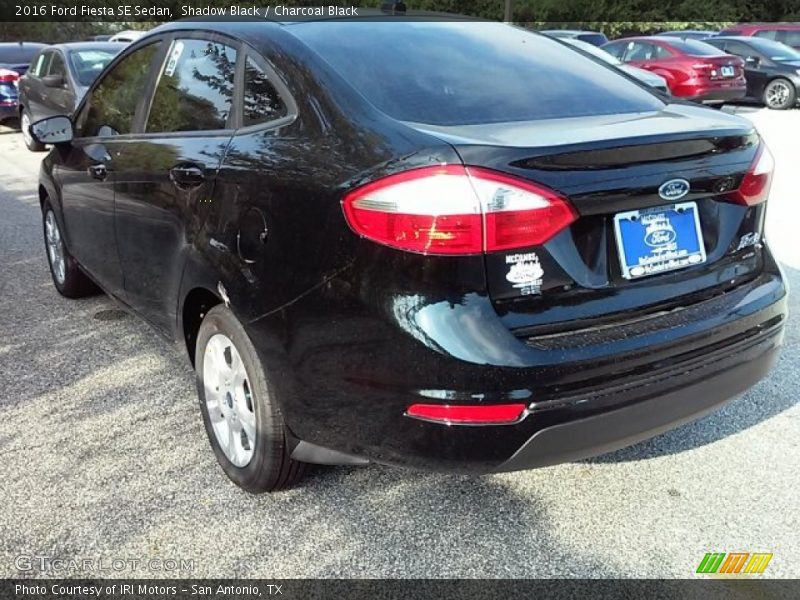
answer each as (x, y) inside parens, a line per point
(103, 457)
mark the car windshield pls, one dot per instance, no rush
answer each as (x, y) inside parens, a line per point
(695, 48)
(87, 64)
(774, 50)
(470, 73)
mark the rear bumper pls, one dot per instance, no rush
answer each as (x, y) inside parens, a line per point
(9, 111)
(713, 96)
(710, 388)
(348, 377)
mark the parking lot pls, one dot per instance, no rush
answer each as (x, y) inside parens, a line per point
(104, 456)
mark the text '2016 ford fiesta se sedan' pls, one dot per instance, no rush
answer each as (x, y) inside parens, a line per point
(456, 246)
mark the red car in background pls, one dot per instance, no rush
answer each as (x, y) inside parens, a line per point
(694, 70)
(786, 33)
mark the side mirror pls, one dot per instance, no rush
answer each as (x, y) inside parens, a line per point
(53, 81)
(752, 61)
(53, 130)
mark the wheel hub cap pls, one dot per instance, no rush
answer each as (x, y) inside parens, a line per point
(229, 400)
(777, 94)
(25, 124)
(55, 247)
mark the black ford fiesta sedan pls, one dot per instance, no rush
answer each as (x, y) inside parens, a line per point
(455, 246)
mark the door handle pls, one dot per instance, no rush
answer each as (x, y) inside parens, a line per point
(98, 171)
(187, 176)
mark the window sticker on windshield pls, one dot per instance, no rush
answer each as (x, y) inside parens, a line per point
(174, 55)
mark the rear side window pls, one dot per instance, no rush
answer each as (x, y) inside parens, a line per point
(769, 34)
(195, 90)
(470, 73)
(261, 101)
(790, 38)
(112, 106)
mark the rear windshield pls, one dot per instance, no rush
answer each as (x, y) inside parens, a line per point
(695, 48)
(598, 39)
(470, 73)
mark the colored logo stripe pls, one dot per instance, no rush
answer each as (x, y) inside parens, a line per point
(735, 562)
(758, 562)
(711, 562)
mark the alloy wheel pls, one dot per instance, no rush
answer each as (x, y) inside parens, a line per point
(229, 400)
(25, 125)
(777, 94)
(55, 247)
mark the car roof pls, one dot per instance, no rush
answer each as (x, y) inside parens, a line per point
(6, 45)
(754, 26)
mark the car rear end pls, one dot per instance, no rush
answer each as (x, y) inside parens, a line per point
(570, 280)
(9, 94)
(712, 77)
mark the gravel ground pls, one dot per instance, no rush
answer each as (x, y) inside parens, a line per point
(105, 457)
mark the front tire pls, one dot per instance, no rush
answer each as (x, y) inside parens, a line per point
(780, 94)
(67, 276)
(239, 406)
(25, 127)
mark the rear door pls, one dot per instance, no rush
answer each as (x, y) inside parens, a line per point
(31, 86)
(165, 173)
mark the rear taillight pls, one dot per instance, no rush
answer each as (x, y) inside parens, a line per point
(8, 76)
(755, 185)
(453, 209)
(449, 414)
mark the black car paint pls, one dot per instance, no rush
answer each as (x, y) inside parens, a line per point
(358, 331)
(759, 74)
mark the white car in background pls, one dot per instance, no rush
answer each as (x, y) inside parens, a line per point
(651, 79)
(128, 36)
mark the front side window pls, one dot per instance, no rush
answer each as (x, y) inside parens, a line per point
(261, 101)
(57, 66)
(640, 51)
(112, 106)
(40, 65)
(195, 90)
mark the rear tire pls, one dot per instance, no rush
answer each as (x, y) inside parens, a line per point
(67, 276)
(779, 94)
(25, 127)
(240, 408)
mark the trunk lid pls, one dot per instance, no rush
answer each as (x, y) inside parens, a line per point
(612, 165)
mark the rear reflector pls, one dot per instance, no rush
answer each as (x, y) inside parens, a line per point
(755, 185)
(495, 414)
(458, 210)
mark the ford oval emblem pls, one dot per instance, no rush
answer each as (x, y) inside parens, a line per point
(674, 189)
